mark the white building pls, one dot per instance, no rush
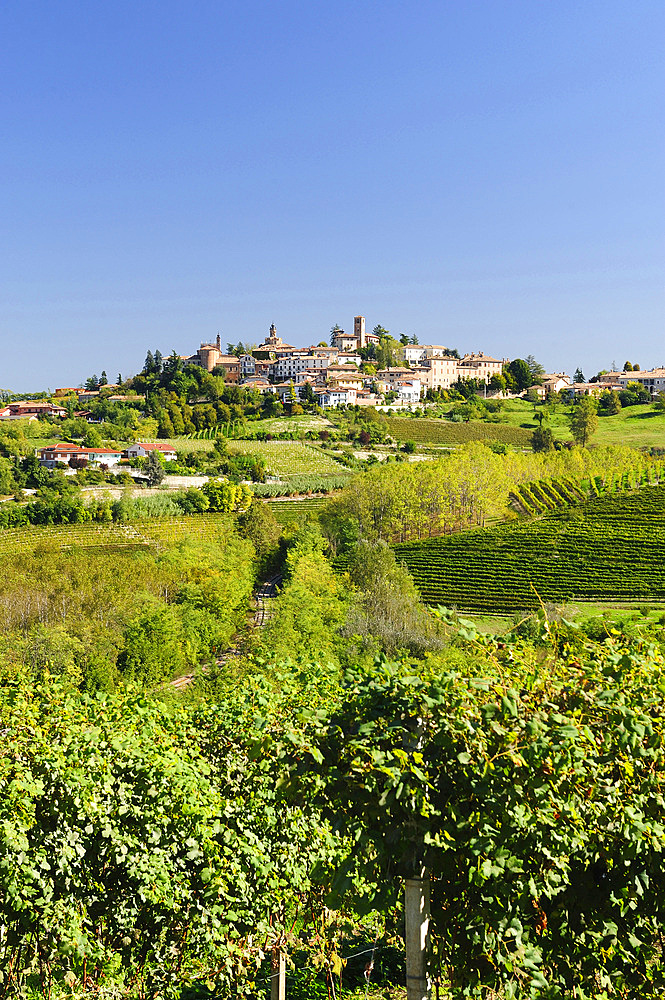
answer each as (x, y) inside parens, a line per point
(408, 391)
(336, 397)
(349, 358)
(141, 449)
(66, 453)
(290, 366)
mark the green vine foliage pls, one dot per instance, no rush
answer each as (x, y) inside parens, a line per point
(131, 849)
(151, 847)
(534, 795)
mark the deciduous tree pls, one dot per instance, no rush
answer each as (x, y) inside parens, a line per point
(583, 419)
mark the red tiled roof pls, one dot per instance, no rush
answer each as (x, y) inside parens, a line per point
(155, 446)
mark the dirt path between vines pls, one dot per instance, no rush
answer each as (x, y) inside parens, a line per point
(265, 593)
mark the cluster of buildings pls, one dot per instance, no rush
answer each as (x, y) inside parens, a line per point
(653, 381)
(333, 372)
(75, 455)
(331, 375)
(28, 409)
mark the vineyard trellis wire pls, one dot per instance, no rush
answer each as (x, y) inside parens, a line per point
(608, 548)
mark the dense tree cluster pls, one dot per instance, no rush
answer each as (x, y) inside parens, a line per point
(397, 502)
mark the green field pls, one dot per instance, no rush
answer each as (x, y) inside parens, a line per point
(426, 431)
(286, 459)
(609, 549)
(638, 426)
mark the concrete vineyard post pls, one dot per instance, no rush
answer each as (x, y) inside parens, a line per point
(417, 916)
(278, 974)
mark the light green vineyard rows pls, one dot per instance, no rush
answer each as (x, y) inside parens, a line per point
(144, 533)
(428, 431)
(290, 458)
(608, 548)
(550, 494)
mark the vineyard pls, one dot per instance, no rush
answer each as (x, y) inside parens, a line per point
(296, 485)
(551, 494)
(144, 533)
(425, 431)
(293, 512)
(609, 548)
(287, 459)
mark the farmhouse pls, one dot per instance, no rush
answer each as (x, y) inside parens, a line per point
(73, 453)
(31, 410)
(141, 449)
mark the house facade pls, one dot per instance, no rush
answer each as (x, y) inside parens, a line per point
(141, 449)
(336, 396)
(31, 410)
(50, 456)
(653, 380)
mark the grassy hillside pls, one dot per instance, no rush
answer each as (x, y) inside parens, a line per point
(608, 549)
(637, 426)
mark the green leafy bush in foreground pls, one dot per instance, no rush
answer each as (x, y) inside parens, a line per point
(131, 847)
(155, 849)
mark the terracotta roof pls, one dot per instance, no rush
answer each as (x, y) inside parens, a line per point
(76, 449)
(154, 446)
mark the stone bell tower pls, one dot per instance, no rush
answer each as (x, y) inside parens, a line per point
(359, 331)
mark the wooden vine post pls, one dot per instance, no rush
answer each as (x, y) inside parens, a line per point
(278, 974)
(417, 916)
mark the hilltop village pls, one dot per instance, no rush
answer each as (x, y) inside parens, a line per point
(136, 427)
(371, 368)
(359, 369)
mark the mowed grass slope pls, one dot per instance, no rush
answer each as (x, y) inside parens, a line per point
(607, 549)
(638, 426)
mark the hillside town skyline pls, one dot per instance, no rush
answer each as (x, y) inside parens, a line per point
(224, 344)
(359, 367)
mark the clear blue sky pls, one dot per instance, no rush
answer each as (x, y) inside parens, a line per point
(480, 173)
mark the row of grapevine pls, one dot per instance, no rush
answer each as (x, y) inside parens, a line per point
(609, 548)
(551, 494)
(537, 498)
